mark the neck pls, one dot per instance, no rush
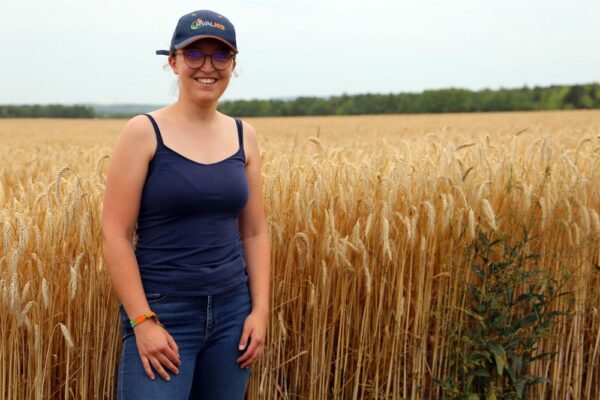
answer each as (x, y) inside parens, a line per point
(201, 113)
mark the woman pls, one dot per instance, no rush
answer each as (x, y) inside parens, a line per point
(194, 292)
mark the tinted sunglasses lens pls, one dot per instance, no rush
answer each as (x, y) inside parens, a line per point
(194, 58)
(221, 60)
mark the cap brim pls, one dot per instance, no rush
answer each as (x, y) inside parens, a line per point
(163, 52)
(194, 38)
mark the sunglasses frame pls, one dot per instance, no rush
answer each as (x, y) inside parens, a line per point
(231, 57)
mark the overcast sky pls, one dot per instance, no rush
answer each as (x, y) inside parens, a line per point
(71, 51)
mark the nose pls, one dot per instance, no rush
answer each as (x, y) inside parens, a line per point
(207, 66)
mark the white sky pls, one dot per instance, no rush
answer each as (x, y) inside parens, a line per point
(71, 51)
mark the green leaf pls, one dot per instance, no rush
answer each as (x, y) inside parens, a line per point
(482, 372)
(524, 296)
(499, 356)
(541, 355)
(511, 373)
(514, 370)
(552, 314)
(564, 293)
(477, 271)
(520, 386)
(528, 320)
(517, 362)
(484, 241)
(534, 380)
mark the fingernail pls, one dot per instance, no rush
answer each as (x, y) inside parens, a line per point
(241, 347)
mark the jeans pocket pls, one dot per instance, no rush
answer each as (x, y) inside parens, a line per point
(155, 297)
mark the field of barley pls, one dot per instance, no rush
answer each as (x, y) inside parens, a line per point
(369, 219)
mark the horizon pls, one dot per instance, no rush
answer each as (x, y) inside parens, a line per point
(291, 98)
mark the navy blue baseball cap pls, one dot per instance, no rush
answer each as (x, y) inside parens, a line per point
(199, 25)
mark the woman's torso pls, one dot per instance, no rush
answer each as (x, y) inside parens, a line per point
(188, 240)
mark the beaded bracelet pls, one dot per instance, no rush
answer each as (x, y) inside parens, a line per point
(138, 320)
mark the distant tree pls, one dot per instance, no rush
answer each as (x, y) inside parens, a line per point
(574, 96)
(46, 111)
(430, 101)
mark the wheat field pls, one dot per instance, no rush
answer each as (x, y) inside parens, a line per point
(368, 218)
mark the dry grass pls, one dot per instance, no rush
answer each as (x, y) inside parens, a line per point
(368, 218)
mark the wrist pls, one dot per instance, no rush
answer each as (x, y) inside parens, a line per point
(147, 325)
(262, 310)
(140, 319)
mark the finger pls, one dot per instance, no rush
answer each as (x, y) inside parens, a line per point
(253, 357)
(248, 363)
(159, 368)
(252, 345)
(173, 357)
(249, 353)
(244, 339)
(164, 360)
(173, 345)
(146, 365)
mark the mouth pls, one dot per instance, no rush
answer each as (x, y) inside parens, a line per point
(206, 81)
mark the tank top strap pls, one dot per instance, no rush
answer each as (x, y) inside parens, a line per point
(240, 132)
(156, 130)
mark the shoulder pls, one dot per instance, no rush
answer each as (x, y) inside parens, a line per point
(138, 134)
(250, 136)
(250, 141)
(139, 123)
(137, 126)
(249, 130)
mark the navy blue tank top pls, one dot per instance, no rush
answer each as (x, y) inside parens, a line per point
(188, 241)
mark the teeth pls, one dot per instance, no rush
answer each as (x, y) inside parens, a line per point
(211, 80)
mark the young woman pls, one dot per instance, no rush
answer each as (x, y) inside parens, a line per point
(194, 289)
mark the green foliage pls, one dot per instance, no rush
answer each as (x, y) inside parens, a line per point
(509, 312)
(429, 101)
(46, 111)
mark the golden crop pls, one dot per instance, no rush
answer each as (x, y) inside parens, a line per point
(368, 218)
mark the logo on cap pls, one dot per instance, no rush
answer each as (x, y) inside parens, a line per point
(199, 23)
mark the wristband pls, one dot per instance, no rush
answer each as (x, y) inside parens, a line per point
(141, 318)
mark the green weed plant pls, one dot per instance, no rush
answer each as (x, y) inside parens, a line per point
(510, 310)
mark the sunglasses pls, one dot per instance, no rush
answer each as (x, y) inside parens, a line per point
(195, 58)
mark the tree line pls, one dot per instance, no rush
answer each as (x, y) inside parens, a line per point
(430, 101)
(555, 97)
(46, 111)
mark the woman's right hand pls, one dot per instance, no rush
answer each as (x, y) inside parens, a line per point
(157, 348)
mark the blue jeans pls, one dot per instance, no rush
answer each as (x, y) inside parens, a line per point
(207, 330)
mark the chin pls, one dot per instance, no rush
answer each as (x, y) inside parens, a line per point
(203, 100)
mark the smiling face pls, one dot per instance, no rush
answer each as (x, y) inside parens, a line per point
(206, 84)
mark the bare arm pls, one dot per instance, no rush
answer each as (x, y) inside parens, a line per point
(253, 227)
(127, 172)
(124, 183)
(255, 237)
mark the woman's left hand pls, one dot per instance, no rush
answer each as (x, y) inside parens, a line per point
(255, 328)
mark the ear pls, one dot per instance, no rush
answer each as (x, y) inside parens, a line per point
(173, 64)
